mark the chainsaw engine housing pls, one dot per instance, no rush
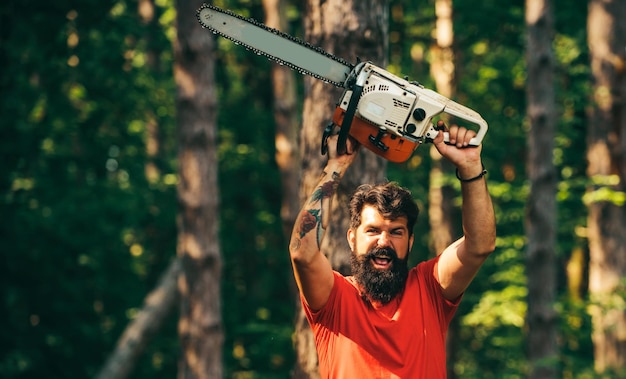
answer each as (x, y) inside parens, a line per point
(393, 116)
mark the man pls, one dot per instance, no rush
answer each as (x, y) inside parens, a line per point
(386, 321)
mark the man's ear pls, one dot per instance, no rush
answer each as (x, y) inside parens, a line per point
(350, 236)
(411, 239)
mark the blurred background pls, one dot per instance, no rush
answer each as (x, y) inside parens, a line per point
(90, 185)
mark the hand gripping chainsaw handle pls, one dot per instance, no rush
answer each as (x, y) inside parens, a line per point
(391, 116)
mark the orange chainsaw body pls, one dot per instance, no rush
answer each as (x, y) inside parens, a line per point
(397, 150)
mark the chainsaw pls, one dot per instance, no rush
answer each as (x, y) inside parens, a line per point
(388, 115)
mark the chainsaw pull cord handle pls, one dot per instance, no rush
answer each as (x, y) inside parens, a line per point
(357, 90)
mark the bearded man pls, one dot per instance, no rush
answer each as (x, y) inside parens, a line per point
(386, 320)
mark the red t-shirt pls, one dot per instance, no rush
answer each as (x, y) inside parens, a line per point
(402, 339)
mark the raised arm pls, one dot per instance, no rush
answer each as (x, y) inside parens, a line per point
(312, 269)
(459, 263)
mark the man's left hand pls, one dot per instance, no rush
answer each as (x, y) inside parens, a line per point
(458, 150)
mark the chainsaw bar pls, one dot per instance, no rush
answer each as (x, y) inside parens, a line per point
(275, 45)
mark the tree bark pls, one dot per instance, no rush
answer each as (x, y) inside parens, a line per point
(606, 148)
(440, 195)
(348, 29)
(287, 123)
(157, 306)
(542, 317)
(441, 210)
(200, 324)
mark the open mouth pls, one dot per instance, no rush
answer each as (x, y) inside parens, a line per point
(381, 262)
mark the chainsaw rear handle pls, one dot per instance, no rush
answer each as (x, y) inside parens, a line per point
(461, 112)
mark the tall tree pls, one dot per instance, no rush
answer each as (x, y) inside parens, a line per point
(442, 70)
(287, 122)
(441, 194)
(541, 204)
(606, 156)
(200, 324)
(348, 29)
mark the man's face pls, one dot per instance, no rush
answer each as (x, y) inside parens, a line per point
(380, 249)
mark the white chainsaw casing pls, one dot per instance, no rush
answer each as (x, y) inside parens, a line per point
(404, 108)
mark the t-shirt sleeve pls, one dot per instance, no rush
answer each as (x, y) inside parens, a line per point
(314, 316)
(447, 308)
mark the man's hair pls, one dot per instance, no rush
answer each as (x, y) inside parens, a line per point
(391, 201)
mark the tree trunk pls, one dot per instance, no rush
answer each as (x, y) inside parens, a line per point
(287, 123)
(348, 29)
(606, 148)
(440, 195)
(441, 210)
(145, 325)
(541, 203)
(200, 325)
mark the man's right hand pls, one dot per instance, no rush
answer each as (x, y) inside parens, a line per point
(342, 160)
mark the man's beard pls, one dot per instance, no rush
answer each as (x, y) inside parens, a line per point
(380, 285)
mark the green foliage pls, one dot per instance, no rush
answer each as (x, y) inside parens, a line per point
(258, 301)
(86, 232)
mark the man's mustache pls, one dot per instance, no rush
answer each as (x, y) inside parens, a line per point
(381, 251)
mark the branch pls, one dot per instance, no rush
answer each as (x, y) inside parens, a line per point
(138, 333)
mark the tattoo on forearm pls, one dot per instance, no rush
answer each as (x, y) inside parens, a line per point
(311, 219)
(326, 190)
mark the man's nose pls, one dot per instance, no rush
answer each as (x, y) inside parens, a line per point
(383, 239)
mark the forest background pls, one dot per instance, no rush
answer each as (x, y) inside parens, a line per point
(88, 184)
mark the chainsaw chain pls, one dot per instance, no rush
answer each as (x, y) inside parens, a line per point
(278, 33)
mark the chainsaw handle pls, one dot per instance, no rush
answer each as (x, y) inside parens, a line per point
(357, 90)
(464, 113)
(459, 111)
(467, 114)
(347, 120)
(432, 132)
